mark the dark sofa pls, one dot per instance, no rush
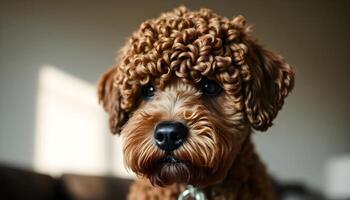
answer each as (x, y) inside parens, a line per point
(22, 184)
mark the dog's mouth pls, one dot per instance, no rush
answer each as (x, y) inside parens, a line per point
(170, 170)
(169, 159)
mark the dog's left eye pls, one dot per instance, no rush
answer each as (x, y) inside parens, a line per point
(210, 88)
(148, 91)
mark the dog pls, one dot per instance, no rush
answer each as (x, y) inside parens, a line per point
(186, 93)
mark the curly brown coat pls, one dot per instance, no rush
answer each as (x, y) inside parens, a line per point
(174, 53)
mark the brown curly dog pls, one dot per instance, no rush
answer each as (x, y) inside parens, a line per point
(185, 94)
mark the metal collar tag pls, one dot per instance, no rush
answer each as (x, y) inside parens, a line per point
(193, 192)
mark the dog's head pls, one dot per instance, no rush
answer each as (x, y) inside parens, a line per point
(187, 89)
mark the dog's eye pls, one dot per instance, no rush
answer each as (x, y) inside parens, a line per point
(210, 88)
(148, 91)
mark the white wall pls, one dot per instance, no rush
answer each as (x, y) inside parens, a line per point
(81, 38)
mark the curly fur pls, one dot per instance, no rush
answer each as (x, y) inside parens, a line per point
(174, 52)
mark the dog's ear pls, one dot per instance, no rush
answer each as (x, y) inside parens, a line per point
(109, 97)
(267, 80)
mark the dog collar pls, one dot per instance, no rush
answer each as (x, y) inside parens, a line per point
(193, 192)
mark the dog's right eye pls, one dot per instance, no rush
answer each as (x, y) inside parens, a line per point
(148, 91)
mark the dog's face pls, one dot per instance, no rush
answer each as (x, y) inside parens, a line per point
(185, 93)
(184, 133)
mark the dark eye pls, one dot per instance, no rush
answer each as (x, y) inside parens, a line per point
(148, 91)
(210, 88)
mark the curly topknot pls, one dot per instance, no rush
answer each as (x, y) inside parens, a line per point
(192, 44)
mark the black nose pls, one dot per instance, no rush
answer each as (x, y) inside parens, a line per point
(170, 135)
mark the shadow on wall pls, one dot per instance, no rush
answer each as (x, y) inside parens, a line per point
(71, 128)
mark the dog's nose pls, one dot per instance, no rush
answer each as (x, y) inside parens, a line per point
(170, 135)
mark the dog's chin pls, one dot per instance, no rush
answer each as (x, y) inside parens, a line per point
(171, 170)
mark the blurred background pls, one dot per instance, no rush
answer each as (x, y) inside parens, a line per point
(53, 52)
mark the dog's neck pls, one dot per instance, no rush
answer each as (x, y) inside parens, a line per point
(246, 179)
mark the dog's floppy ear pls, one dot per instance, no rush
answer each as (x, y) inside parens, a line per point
(267, 80)
(109, 97)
